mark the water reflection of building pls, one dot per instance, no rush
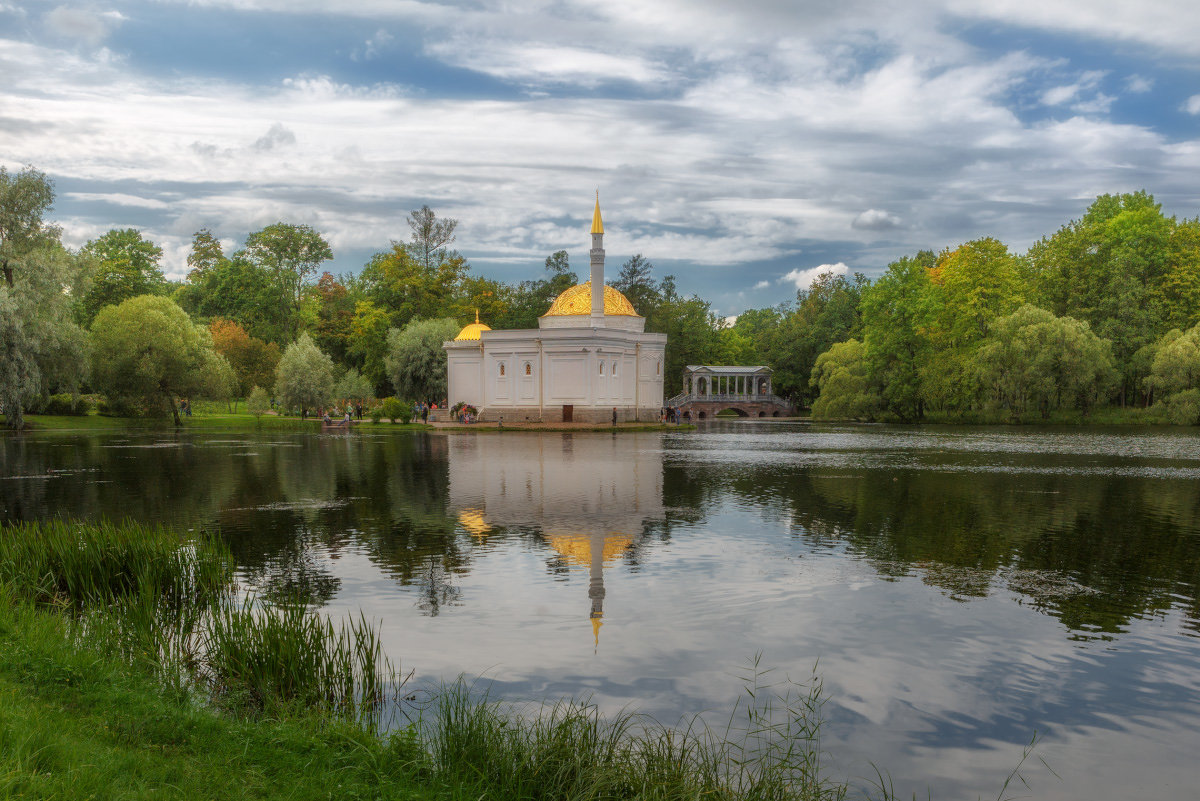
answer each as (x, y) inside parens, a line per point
(588, 495)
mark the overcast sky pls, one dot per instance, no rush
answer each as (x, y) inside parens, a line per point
(740, 145)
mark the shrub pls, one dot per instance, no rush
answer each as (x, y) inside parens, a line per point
(1184, 407)
(259, 403)
(376, 414)
(66, 404)
(397, 410)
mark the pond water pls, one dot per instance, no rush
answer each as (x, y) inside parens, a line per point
(958, 589)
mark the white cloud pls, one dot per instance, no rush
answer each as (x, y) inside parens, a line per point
(85, 24)
(1192, 105)
(762, 284)
(277, 136)
(1138, 84)
(875, 220)
(373, 46)
(803, 279)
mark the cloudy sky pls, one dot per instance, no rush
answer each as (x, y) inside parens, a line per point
(740, 145)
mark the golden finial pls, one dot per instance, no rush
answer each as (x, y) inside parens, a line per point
(597, 223)
(477, 317)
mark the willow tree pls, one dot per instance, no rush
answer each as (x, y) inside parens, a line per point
(148, 353)
(304, 377)
(416, 361)
(41, 348)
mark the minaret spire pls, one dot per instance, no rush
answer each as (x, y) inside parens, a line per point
(597, 255)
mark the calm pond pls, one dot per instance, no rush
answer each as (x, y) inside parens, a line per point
(962, 588)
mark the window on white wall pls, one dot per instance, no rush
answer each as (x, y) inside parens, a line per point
(501, 369)
(528, 368)
(658, 368)
(614, 368)
(601, 368)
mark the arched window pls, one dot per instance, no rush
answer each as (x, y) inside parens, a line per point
(601, 368)
(614, 368)
(501, 369)
(658, 368)
(528, 368)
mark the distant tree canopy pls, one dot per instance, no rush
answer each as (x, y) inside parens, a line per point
(1103, 311)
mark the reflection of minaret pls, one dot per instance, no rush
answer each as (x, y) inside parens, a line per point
(596, 584)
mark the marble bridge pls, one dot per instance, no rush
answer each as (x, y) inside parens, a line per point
(746, 390)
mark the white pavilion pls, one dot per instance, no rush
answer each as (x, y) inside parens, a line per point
(589, 355)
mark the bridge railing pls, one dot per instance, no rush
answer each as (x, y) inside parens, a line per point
(726, 397)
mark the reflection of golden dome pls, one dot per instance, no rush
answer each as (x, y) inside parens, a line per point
(472, 520)
(578, 300)
(471, 331)
(576, 549)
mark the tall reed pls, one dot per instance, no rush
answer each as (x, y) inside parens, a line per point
(259, 657)
(768, 750)
(78, 565)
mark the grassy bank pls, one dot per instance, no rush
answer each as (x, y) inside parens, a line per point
(214, 421)
(129, 670)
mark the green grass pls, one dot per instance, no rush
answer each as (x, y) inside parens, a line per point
(128, 671)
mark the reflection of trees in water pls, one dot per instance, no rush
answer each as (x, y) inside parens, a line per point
(152, 477)
(1094, 551)
(435, 588)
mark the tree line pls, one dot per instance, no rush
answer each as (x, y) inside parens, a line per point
(1102, 312)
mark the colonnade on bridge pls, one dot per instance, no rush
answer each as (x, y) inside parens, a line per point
(725, 383)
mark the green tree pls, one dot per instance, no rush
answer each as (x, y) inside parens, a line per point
(693, 333)
(531, 299)
(825, 313)
(334, 314)
(354, 386)
(25, 197)
(406, 289)
(124, 266)
(148, 351)
(430, 236)
(1176, 365)
(304, 377)
(253, 361)
(291, 255)
(976, 282)
(42, 350)
(206, 257)
(416, 360)
(842, 379)
(239, 290)
(368, 342)
(636, 283)
(1034, 360)
(1111, 268)
(897, 314)
(259, 402)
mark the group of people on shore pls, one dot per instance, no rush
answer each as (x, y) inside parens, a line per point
(673, 414)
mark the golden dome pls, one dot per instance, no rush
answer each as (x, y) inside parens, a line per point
(577, 549)
(471, 332)
(578, 301)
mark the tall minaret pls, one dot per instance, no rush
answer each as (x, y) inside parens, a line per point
(597, 261)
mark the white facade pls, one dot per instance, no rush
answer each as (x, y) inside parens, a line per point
(574, 366)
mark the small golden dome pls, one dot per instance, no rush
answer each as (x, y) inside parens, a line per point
(471, 332)
(578, 301)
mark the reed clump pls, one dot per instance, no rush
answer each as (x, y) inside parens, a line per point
(261, 657)
(769, 749)
(95, 565)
